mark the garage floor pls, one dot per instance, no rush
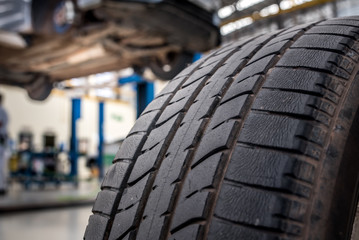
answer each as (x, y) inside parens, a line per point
(49, 213)
(60, 224)
(67, 194)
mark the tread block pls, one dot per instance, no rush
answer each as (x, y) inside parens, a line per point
(230, 46)
(132, 194)
(122, 222)
(229, 68)
(340, 30)
(303, 80)
(233, 66)
(252, 47)
(218, 86)
(180, 102)
(239, 87)
(130, 146)
(296, 28)
(157, 135)
(296, 103)
(115, 175)
(282, 133)
(355, 18)
(340, 22)
(144, 122)
(225, 230)
(314, 59)
(271, 131)
(185, 137)
(259, 67)
(202, 176)
(155, 212)
(184, 93)
(190, 232)
(204, 71)
(218, 57)
(269, 169)
(185, 72)
(212, 89)
(191, 80)
(260, 41)
(172, 86)
(96, 228)
(157, 103)
(328, 42)
(104, 202)
(233, 109)
(314, 133)
(201, 109)
(192, 208)
(284, 37)
(275, 48)
(170, 170)
(236, 204)
(217, 139)
(145, 162)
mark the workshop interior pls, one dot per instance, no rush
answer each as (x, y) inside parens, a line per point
(75, 75)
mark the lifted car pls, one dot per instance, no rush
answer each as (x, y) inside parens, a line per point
(42, 42)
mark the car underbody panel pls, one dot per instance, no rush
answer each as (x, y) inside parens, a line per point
(112, 36)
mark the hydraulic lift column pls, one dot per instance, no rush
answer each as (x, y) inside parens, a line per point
(101, 119)
(76, 114)
(145, 91)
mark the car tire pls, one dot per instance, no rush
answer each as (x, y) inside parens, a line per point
(40, 88)
(43, 17)
(257, 140)
(177, 62)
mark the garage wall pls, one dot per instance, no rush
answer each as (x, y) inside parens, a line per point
(54, 114)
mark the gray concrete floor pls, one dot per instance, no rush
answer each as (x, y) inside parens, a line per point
(18, 199)
(60, 224)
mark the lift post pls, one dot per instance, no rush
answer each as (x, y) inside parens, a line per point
(145, 90)
(101, 119)
(76, 114)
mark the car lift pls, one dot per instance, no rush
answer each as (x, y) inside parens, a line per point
(145, 94)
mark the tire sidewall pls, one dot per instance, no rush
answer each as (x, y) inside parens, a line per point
(336, 193)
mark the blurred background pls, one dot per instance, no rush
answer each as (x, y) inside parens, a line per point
(75, 75)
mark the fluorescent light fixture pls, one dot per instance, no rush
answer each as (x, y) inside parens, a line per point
(270, 10)
(226, 11)
(288, 4)
(233, 26)
(243, 4)
(105, 93)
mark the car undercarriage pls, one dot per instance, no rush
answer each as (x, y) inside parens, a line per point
(108, 36)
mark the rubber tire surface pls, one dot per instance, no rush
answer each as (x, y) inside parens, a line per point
(181, 61)
(258, 140)
(42, 17)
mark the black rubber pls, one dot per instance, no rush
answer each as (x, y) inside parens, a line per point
(176, 62)
(258, 140)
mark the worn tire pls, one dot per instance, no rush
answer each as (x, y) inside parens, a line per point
(258, 140)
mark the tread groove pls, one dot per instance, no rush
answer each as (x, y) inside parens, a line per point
(256, 228)
(314, 70)
(276, 191)
(193, 221)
